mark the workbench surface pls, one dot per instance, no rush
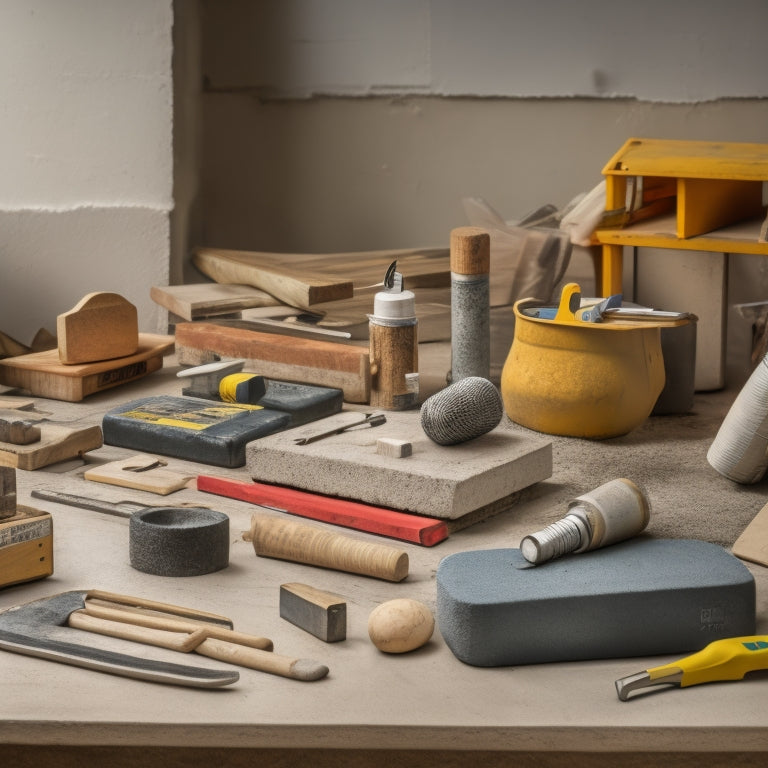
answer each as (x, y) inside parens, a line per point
(423, 701)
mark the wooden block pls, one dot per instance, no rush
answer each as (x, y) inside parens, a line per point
(101, 326)
(7, 492)
(11, 402)
(308, 361)
(15, 430)
(198, 300)
(26, 546)
(143, 472)
(322, 614)
(397, 449)
(44, 375)
(57, 443)
(752, 545)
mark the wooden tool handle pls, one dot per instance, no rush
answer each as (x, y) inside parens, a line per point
(199, 642)
(264, 661)
(173, 624)
(300, 543)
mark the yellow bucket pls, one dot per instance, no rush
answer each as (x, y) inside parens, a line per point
(564, 376)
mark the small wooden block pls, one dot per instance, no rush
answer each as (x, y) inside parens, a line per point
(752, 545)
(397, 449)
(143, 472)
(18, 432)
(322, 614)
(57, 443)
(7, 492)
(26, 553)
(101, 326)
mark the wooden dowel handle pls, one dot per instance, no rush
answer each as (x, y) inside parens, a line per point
(301, 543)
(264, 661)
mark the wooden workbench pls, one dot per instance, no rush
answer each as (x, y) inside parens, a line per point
(422, 708)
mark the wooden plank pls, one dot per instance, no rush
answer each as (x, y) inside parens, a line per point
(416, 529)
(199, 300)
(297, 288)
(704, 205)
(303, 280)
(142, 472)
(101, 326)
(57, 443)
(307, 361)
(44, 375)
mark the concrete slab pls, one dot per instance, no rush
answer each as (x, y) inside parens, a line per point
(446, 482)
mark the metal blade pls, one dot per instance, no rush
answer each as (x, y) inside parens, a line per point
(120, 508)
(32, 630)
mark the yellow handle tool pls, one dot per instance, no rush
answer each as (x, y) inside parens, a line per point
(728, 659)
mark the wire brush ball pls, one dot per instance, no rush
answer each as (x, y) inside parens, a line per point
(463, 411)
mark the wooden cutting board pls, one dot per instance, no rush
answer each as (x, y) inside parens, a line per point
(57, 443)
(44, 375)
(303, 280)
(142, 472)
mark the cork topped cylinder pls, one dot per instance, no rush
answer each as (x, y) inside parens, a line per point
(470, 260)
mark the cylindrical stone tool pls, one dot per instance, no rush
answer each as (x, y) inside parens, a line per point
(393, 336)
(470, 262)
(179, 541)
(613, 512)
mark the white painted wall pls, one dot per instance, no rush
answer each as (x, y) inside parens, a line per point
(657, 50)
(86, 188)
(343, 125)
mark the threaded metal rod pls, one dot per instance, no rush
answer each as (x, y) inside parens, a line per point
(559, 538)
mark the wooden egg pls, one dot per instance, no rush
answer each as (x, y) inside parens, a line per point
(400, 625)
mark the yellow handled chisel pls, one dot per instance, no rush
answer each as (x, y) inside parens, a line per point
(728, 659)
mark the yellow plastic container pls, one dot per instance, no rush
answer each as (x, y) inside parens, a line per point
(564, 376)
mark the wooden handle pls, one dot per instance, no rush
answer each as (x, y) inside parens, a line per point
(301, 543)
(200, 642)
(470, 251)
(173, 624)
(264, 661)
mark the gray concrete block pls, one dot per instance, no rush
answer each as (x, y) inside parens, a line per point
(446, 482)
(639, 598)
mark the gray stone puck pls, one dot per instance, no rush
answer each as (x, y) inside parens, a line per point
(179, 541)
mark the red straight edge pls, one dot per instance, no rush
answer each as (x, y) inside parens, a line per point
(426, 531)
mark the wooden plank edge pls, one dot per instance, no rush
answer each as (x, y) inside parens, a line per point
(415, 529)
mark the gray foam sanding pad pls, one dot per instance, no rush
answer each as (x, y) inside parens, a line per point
(641, 597)
(178, 541)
